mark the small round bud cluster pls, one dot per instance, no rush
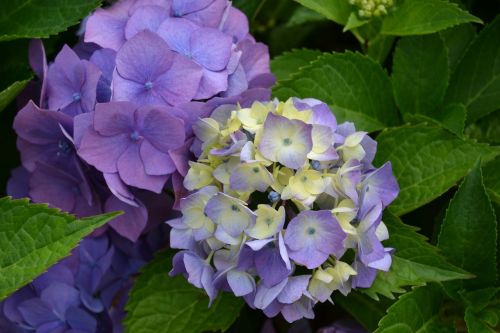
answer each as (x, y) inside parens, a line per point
(371, 8)
(285, 208)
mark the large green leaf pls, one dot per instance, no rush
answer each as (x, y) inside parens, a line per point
(283, 66)
(8, 95)
(457, 39)
(469, 232)
(415, 261)
(335, 10)
(476, 80)
(159, 303)
(420, 78)
(34, 237)
(420, 73)
(416, 311)
(41, 18)
(356, 88)
(492, 179)
(420, 17)
(426, 161)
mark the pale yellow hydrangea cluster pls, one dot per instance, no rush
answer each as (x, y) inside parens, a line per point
(285, 175)
(302, 186)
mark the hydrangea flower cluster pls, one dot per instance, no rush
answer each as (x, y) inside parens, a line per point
(93, 137)
(286, 207)
(371, 8)
(108, 124)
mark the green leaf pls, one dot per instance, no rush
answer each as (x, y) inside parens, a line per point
(355, 87)
(415, 261)
(335, 10)
(469, 232)
(492, 179)
(365, 310)
(416, 311)
(457, 39)
(486, 129)
(479, 299)
(380, 47)
(420, 78)
(8, 95)
(159, 303)
(476, 80)
(475, 324)
(41, 18)
(420, 73)
(420, 17)
(34, 237)
(283, 66)
(304, 15)
(354, 22)
(426, 161)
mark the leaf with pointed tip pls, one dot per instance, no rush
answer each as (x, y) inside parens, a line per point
(8, 95)
(335, 10)
(33, 237)
(468, 234)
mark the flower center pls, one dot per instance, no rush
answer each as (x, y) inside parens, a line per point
(316, 165)
(76, 96)
(235, 208)
(255, 169)
(135, 136)
(287, 141)
(311, 231)
(148, 85)
(76, 190)
(64, 147)
(273, 196)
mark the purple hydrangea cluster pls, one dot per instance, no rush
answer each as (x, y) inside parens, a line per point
(111, 119)
(107, 125)
(286, 207)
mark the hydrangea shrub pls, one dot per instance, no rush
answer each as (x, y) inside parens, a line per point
(356, 192)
